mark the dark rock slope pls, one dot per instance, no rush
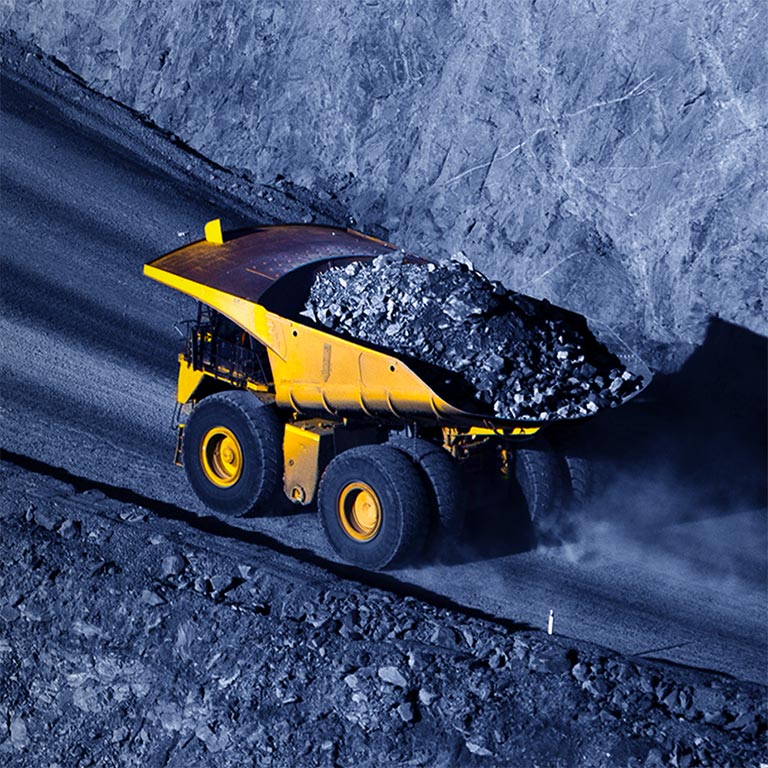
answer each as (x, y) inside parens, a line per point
(129, 639)
(608, 156)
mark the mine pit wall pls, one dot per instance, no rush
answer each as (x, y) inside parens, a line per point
(607, 156)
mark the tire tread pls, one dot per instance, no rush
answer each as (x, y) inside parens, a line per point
(265, 427)
(403, 479)
(442, 474)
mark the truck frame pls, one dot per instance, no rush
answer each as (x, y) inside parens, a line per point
(273, 408)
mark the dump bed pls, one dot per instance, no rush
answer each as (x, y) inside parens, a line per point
(245, 265)
(260, 281)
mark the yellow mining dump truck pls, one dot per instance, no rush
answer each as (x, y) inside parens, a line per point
(271, 406)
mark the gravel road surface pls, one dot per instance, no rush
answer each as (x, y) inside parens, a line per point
(90, 192)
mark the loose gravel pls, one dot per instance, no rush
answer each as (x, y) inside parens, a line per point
(125, 640)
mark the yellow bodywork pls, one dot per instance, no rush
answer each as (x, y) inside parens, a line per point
(301, 451)
(315, 372)
(213, 233)
(188, 381)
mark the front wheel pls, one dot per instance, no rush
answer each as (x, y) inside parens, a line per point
(232, 453)
(374, 506)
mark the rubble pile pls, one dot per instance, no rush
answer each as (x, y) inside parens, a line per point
(524, 358)
(129, 639)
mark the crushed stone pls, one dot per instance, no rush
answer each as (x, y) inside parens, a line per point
(522, 358)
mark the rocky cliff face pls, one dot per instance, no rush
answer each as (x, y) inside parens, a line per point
(607, 156)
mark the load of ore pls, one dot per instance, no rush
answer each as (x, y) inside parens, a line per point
(524, 358)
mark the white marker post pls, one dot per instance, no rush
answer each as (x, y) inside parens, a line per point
(551, 623)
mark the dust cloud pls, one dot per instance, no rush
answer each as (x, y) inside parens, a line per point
(682, 532)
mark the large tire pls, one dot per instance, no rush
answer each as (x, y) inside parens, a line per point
(540, 475)
(373, 505)
(443, 480)
(232, 453)
(581, 480)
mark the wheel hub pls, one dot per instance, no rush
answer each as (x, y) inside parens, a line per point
(359, 511)
(221, 457)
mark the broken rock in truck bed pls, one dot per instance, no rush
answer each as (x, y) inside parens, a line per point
(524, 358)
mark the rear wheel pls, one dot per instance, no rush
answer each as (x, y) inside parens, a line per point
(373, 505)
(232, 453)
(540, 476)
(443, 479)
(581, 479)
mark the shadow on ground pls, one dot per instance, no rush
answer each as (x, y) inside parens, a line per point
(703, 427)
(693, 445)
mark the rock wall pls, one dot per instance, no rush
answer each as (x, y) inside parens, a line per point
(607, 156)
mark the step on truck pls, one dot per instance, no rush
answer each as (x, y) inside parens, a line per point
(272, 408)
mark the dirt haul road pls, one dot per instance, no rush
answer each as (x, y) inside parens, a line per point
(89, 193)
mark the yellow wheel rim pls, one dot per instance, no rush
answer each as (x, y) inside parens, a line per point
(359, 511)
(221, 457)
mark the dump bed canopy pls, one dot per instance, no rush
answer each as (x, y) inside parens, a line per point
(247, 265)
